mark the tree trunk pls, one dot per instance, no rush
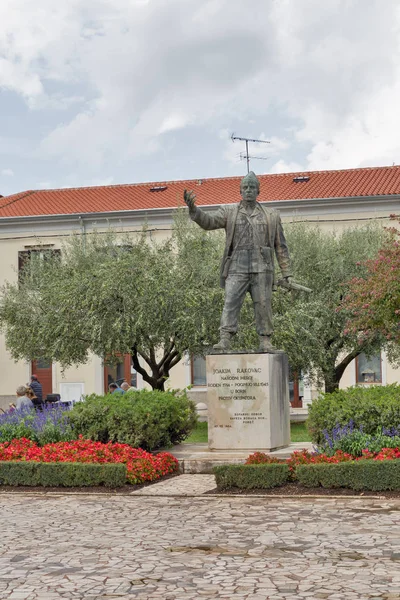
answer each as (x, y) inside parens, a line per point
(159, 369)
(331, 386)
(332, 379)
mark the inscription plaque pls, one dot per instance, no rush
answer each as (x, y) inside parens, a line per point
(248, 401)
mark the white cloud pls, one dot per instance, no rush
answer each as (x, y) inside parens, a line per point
(7, 172)
(172, 122)
(282, 166)
(319, 80)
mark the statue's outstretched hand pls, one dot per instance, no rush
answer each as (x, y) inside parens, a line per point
(190, 199)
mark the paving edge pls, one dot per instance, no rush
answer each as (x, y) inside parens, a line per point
(203, 496)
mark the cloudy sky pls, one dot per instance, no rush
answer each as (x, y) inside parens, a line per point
(94, 92)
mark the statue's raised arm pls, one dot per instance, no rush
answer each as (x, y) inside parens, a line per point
(190, 198)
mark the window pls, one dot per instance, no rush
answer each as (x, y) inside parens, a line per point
(296, 390)
(120, 372)
(199, 370)
(26, 258)
(368, 368)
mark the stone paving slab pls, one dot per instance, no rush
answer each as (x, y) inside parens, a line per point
(147, 548)
(182, 485)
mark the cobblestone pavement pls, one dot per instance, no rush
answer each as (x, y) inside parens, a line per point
(100, 547)
(184, 485)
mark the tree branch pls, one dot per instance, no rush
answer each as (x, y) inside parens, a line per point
(138, 368)
(166, 354)
(172, 360)
(340, 368)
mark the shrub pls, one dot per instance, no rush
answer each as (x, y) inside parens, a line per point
(62, 474)
(376, 408)
(142, 419)
(141, 466)
(41, 426)
(371, 475)
(248, 477)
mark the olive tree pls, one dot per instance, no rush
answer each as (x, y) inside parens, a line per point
(111, 294)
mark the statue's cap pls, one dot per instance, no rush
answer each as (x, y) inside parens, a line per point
(251, 175)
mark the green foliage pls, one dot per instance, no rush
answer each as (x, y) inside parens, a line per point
(61, 474)
(142, 419)
(248, 477)
(373, 408)
(371, 475)
(373, 300)
(113, 294)
(309, 327)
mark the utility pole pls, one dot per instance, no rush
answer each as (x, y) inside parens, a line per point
(247, 140)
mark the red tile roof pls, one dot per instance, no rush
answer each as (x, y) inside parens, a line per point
(374, 181)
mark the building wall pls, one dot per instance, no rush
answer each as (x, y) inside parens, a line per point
(20, 234)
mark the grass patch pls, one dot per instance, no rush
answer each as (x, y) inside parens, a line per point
(298, 433)
(199, 434)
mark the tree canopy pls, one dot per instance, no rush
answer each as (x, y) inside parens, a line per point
(310, 327)
(373, 300)
(112, 294)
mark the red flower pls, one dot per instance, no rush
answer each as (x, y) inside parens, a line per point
(141, 465)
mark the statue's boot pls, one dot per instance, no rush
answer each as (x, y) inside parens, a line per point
(224, 343)
(265, 344)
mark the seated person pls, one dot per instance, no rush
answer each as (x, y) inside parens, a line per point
(32, 396)
(22, 399)
(114, 388)
(126, 387)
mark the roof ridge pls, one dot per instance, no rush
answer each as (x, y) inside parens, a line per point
(203, 179)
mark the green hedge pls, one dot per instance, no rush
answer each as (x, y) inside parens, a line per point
(372, 407)
(142, 419)
(371, 475)
(62, 474)
(249, 477)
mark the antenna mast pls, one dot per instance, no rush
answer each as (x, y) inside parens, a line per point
(247, 140)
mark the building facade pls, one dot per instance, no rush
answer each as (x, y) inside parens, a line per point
(35, 223)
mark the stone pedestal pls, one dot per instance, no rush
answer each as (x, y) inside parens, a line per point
(248, 401)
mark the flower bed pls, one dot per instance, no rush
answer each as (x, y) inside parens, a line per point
(48, 425)
(141, 465)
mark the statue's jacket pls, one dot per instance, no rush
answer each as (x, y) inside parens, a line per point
(225, 218)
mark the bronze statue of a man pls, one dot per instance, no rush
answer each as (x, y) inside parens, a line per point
(254, 234)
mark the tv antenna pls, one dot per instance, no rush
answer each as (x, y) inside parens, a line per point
(247, 156)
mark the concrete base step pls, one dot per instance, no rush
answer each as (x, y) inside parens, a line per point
(197, 458)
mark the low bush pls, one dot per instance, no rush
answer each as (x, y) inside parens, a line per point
(375, 408)
(248, 477)
(62, 474)
(142, 419)
(141, 465)
(374, 475)
(44, 426)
